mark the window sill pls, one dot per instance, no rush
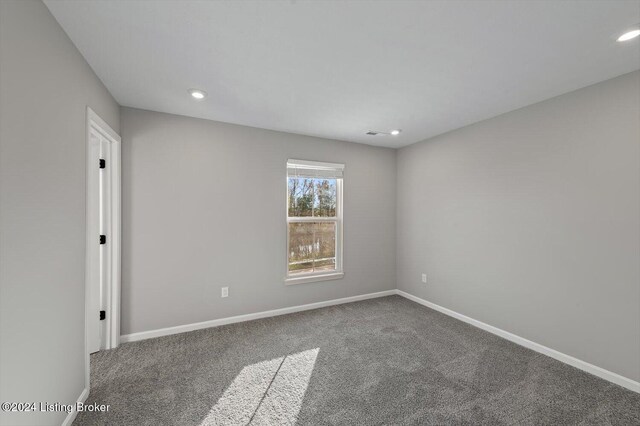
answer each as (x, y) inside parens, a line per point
(314, 278)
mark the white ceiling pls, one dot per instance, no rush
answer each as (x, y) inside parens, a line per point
(338, 69)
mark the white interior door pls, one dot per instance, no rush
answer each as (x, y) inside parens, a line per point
(98, 202)
(93, 228)
(100, 242)
(102, 278)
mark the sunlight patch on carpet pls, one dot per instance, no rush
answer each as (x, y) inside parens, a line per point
(265, 393)
(284, 398)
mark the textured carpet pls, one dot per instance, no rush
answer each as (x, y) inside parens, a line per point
(382, 361)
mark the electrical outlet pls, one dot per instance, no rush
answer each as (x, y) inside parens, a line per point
(225, 292)
(424, 278)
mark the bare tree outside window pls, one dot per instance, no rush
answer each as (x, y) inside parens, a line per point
(312, 244)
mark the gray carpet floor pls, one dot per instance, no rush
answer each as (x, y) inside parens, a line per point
(382, 361)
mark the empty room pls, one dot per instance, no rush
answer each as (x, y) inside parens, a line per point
(319, 212)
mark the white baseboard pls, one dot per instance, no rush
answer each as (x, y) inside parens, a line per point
(248, 317)
(567, 359)
(72, 415)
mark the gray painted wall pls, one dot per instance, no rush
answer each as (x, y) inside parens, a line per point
(530, 222)
(196, 193)
(45, 87)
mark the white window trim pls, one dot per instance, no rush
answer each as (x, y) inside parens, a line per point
(338, 273)
(314, 278)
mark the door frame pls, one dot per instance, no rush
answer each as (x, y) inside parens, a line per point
(112, 326)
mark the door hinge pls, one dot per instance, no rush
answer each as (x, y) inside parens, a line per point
(103, 163)
(103, 315)
(103, 239)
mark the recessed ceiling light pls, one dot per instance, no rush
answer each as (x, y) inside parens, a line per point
(629, 35)
(197, 94)
(395, 132)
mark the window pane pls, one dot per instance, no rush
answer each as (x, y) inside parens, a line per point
(300, 196)
(312, 247)
(325, 265)
(324, 204)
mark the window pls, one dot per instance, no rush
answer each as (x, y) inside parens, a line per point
(314, 221)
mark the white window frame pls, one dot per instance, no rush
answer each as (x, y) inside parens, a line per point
(338, 273)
